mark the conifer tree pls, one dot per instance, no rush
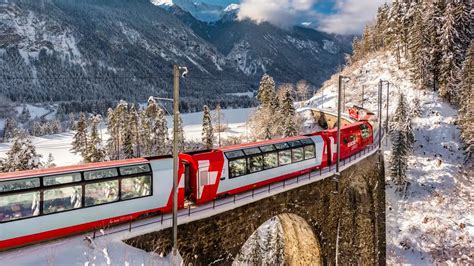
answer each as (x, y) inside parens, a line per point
(72, 122)
(266, 92)
(466, 88)
(262, 122)
(134, 123)
(25, 115)
(50, 161)
(302, 88)
(288, 116)
(401, 135)
(127, 145)
(79, 142)
(419, 46)
(161, 133)
(22, 155)
(207, 130)
(9, 129)
(94, 151)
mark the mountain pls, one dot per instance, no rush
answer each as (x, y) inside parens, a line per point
(201, 11)
(92, 50)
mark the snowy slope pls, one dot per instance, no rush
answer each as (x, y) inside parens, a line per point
(434, 223)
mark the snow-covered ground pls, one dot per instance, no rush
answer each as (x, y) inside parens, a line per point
(434, 223)
(59, 145)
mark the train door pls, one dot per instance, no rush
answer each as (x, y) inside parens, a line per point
(187, 180)
(203, 179)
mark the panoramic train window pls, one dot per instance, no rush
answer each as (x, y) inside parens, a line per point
(19, 184)
(282, 146)
(297, 155)
(237, 167)
(307, 141)
(17, 206)
(270, 160)
(134, 169)
(62, 199)
(267, 148)
(294, 144)
(99, 174)
(284, 157)
(255, 163)
(61, 179)
(136, 187)
(102, 192)
(252, 151)
(309, 152)
(234, 154)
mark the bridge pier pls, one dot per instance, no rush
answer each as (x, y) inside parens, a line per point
(358, 208)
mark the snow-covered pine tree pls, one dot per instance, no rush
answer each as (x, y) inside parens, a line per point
(207, 130)
(381, 26)
(435, 23)
(127, 145)
(22, 155)
(79, 141)
(266, 92)
(24, 115)
(394, 31)
(419, 46)
(400, 134)
(9, 129)
(49, 162)
(148, 118)
(416, 107)
(71, 125)
(466, 88)
(134, 122)
(288, 116)
(449, 47)
(161, 143)
(302, 89)
(94, 150)
(37, 129)
(55, 126)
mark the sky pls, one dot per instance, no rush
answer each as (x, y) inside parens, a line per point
(334, 16)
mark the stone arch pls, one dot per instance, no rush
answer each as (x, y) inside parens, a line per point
(285, 238)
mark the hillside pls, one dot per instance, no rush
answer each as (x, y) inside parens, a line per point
(431, 224)
(63, 50)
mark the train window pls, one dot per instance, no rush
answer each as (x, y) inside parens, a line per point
(19, 184)
(294, 144)
(102, 192)
(234, 154)
(267, 148)
(307, 141)
(136, 187)
(237, 167)
(309, 152)
(270, 160)
(99, 174)
(135, 169)
(61, 179)
(297, 155)
(17, 206)
(62, 199)
(252, 151)
(284, 157)
(255, 163)
(282, 146)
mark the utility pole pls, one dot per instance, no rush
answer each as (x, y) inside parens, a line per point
(380, 115)
(386, 117)
(176, 73)
(339, 107)
(175, 157)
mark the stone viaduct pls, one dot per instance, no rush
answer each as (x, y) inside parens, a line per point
(353, 208)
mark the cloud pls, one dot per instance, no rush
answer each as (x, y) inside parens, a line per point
(350, 16)
(347, 17)
(278, 12)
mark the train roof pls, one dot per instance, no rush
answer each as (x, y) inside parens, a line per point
(72, 168)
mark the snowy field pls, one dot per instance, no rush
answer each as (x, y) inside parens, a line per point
(434, 223)
(59, 145)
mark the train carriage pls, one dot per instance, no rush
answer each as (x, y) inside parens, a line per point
(49, 203)
(239, 168)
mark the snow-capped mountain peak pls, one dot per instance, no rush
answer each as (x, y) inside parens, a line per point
(232, 8)
(201, 11)
(167, 3)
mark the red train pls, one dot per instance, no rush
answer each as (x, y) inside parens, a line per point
(49, 203)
